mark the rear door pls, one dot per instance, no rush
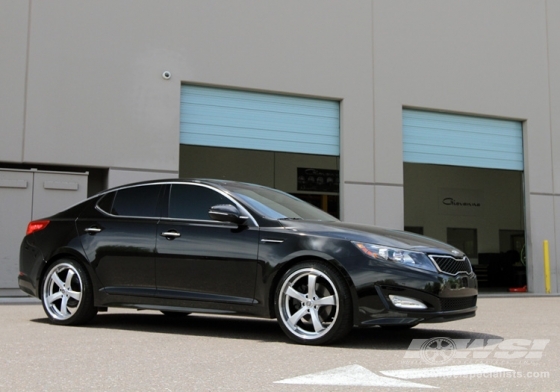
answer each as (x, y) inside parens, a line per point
(119, 239)
(201, 259)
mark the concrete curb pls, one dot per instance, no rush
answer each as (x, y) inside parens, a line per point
(517, 295)
(19, 301)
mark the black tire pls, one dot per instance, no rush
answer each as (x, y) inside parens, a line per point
(67, 294)
(175, 315)
(318, 315)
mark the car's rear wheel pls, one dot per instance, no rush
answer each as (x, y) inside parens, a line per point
(67, 295)
(313, 304)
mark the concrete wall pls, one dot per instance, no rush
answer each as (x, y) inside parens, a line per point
(551, 229)
(82, 83)
(94, 72)
(13, 62)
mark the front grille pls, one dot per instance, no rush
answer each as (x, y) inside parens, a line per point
(457, 303)
(451, 265)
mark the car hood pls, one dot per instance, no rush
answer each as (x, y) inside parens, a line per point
(374, 235)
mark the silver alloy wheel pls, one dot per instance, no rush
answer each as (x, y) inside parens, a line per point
(308, 303)
(62, 291)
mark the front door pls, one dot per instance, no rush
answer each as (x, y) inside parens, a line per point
(201, 259)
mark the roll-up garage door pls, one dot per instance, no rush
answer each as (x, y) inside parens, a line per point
(242, 119)
(449, 139)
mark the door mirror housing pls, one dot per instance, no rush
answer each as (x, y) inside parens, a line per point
(227, 213)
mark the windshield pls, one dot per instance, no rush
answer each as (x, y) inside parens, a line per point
(275, 204)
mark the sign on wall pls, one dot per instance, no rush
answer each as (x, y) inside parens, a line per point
(454, 201)
(317, 180)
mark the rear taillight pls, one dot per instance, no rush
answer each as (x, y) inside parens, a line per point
(34, 226)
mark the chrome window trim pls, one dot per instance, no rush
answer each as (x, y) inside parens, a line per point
(242, 209)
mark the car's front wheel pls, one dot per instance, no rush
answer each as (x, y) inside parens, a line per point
(67, 295)
(313, 304)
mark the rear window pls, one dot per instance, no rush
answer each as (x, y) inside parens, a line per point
(139, 201)
(106, 202)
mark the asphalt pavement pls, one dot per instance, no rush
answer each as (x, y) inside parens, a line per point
(513, 344)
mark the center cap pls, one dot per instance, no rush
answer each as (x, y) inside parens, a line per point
(309, 304)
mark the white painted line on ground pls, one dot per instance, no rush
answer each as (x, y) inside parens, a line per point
(353, 375)
(444, 371)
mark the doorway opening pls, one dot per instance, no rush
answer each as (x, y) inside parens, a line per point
(310, 177)
(480, 211)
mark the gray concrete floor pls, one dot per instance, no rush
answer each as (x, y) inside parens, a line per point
(126, 350)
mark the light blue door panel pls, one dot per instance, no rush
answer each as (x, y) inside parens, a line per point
(242, 119)
(449, 139)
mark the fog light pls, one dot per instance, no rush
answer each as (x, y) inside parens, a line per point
(406, 303)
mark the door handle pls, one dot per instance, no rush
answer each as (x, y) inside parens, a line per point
(93, 230)
(171, 234)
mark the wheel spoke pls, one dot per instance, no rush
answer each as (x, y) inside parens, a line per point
(311, 280)
(291, 292)
(69, 276)
(54, 297)
(326, 301)
(64, 306)
(56, 279)
(75, 294)
(317, 325)
(294, 319)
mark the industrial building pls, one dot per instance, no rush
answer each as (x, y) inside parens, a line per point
(438, 117)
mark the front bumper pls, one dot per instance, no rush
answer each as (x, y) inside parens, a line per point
(445, 297)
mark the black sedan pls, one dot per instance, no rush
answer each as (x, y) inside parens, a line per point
(212, 246)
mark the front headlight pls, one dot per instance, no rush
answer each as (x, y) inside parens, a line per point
(401, 256)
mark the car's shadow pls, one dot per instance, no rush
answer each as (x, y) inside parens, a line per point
(265, 330)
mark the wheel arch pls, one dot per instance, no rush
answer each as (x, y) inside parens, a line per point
(60, 255)
(303, 258)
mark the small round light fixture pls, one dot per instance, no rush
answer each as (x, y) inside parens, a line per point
(166, 75)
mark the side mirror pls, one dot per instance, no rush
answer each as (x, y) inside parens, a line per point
(227, 213)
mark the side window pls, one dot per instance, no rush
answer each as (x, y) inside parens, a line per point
(137, 201)
(193, 202)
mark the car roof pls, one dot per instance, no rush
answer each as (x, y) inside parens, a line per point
(206, 181)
